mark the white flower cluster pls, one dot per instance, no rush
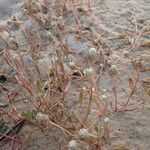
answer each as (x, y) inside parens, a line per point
(106, 120)
(41, 118)
(88, 72)
(126, 53)
(113, 71)
(103, 97)
(84, 134)
(72, 65)
(92, 53)
(73, 145)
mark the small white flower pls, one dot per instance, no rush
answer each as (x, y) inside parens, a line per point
(126, 53)
(103, 97)
(104, 90)
(89, 72)
(73, 145)
(113, 70)
(109, 62)
(41, 117)
(13, 43)
(106, 120)
(101, 65)
(84, 89)
(60, 18)
(92, 53)
(93, 89)
(50, 36)
(83, 134)
(72, 65)
(37, 97)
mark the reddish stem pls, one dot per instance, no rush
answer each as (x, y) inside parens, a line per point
(133, 90)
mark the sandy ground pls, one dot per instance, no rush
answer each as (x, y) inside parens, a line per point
(130, 130)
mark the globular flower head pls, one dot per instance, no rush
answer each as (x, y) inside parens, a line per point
(104, 90)
(84, 134)
(102, 65)
(72, 65)
(41, 118)
(88, 72)
(73, 145)
(103, 97)
(113, 71)
(126, 53)
(106, 120)
(92, 53)
(13, 43)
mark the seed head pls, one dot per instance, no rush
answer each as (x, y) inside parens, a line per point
(73, 145)
(103, 97)
(101, 65)
(13, 43)
(84, 134)
(84, 89)
(50, 36)
(106, 120)
(41, 118)
(92, 53)
(126, 53)
(72, 65)
(88, 73)
(104, 90)
(113, 70)
(109, 62)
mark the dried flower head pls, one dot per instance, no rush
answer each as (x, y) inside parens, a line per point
(84, 134)
(103, 97)
(102, 65)
(41, 118)
(73, 145)
(109, 62)
(88, 73)
(72, 65)
(104, 90)
(113, 71)
(92, 53)
(126, 53)
(13, 43)
(37, 96)
(106, 120)
(50, 36)
(84, 90)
